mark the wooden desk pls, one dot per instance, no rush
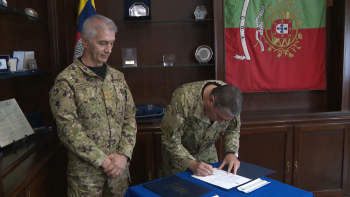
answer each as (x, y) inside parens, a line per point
(36, 167)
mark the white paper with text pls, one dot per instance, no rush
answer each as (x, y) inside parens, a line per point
(13, 123)
(223, 179)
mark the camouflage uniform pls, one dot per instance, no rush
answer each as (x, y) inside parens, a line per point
(187, 133)
(95, 118)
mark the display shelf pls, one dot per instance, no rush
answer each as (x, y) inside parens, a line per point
(19, 13)
(5, 75)
(175, 66)
(158, 21)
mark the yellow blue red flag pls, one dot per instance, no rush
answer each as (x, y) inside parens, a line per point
(86, 9)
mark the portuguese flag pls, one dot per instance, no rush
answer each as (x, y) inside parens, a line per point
(275, 45)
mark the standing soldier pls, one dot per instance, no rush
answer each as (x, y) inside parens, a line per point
(199, 113)
(95, 116)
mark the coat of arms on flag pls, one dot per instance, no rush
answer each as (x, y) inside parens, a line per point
(275, 45)
(86, 9)
(282, 28)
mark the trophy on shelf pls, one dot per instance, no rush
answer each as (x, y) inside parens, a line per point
(129, 57)
(200, 12)
(168, 59)
(137, 10)
(203, 54)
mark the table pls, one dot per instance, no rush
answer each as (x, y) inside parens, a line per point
(274, 189)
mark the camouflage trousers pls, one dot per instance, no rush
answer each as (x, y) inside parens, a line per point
(98, 185)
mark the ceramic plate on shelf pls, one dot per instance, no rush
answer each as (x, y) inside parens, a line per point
(31, 12)
(204, 54)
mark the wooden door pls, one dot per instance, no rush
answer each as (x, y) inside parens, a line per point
(142, 162)
(269, 147)
(321, 158)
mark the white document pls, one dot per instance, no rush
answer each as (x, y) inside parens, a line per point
(254, 185)
(222, 179)
(13, 123)
(20, 56)
(13, 64)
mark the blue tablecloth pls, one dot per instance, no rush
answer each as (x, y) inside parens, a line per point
(274, 189)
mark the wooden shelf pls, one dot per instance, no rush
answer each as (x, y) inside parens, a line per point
(19, 13)
(7, 75)
(175, 66)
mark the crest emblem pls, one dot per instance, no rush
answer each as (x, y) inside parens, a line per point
(281, 28)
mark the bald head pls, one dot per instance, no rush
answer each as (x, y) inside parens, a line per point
(97, 23)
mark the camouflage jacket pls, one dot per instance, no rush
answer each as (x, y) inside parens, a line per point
(187, 133)
(94, 117)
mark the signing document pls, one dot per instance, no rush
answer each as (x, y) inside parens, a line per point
(13, 123)
(223, 179)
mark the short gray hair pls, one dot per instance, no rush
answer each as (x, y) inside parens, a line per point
(90, 27)
(228, 98)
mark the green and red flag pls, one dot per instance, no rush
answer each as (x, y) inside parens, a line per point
(275, 45)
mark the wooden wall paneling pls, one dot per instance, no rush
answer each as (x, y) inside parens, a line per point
(158, 154)
(219, 30)
(319, 158)
(142, 162)
(58, 34)
(269, 147)
(43, 185)
(59, 163)
(346, 166)
(53, 31)
(346, 64)
(335, 63)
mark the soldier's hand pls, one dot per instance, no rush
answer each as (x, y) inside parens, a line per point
(232, 161)
(106, 163)
(201, 168)
(117, 165)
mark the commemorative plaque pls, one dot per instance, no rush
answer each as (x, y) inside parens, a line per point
(129, 57)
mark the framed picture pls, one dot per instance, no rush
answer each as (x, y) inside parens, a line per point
(4, 59)
(28, 55)
(32, 64)
(3, 65)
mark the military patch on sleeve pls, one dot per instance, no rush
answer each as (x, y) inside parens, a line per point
(59, 105)
(172, 121)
